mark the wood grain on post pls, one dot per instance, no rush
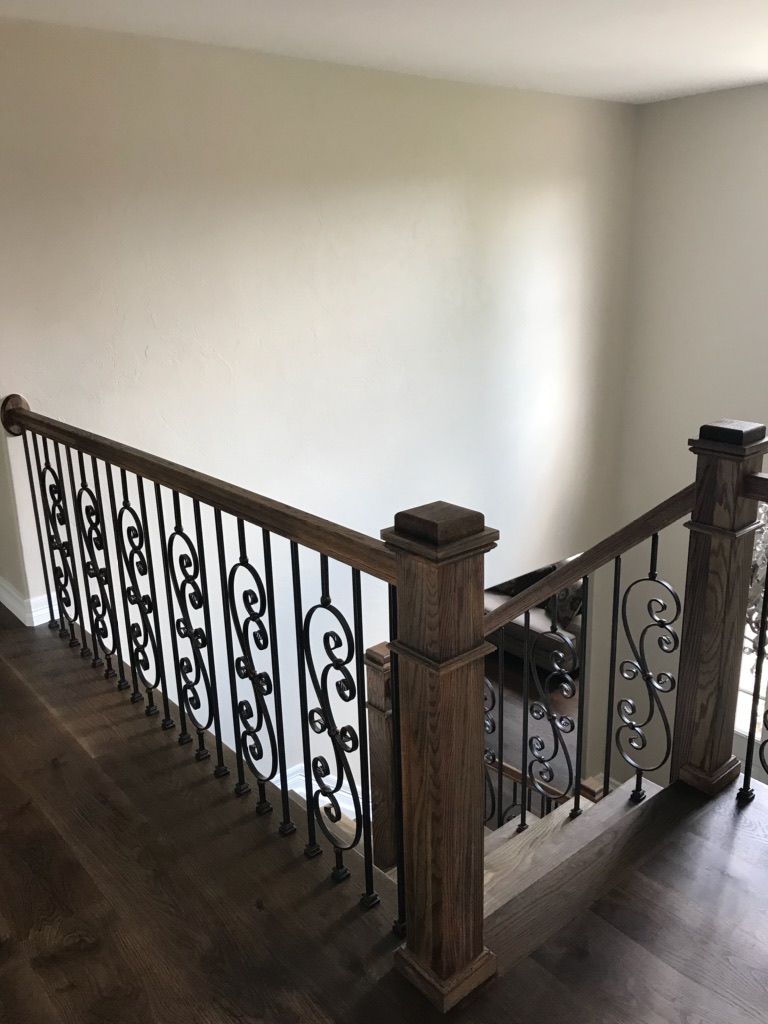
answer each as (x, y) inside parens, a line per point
(440, 649)
(722, 528)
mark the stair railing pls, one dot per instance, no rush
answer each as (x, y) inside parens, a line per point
(165, 576)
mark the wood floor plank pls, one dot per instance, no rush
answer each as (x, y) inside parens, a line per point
(135, 887)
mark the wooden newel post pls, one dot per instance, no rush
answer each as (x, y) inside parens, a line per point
(720, 547)
(440, 649)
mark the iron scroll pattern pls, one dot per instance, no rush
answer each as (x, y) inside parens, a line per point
(59, 542)
(663, 610)
(762, 750)
(90, 521)
(554, 668)
(254, 726)
(491, 761)
(195, 691)
(143, 642)
(338, 647)
(489, 755)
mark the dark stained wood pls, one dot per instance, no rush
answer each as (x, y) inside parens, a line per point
(11, 405)
(356, 549)
(716, 592)
(574, 569)
(755, 486)
(440, 656)
(149, 884)
(378, 678)
(535, 882)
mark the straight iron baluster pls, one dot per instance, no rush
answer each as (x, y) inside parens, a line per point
(312, 849)
(370, 897)
(612, 676)
(286, 826)
(583, 639)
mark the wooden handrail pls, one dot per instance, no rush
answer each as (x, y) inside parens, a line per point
(756, 486)
(356, 549)
(596, 557)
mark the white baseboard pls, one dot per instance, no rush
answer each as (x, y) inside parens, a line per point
(32, 611)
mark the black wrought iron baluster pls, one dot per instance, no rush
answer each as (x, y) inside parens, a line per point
(338, 645)
(45, 497)
(186, 567)
(122, 682)
(221, 769)
(157, 636)
(370, 897)
(500, 810)
(558, 678)
(131, 540)
(287, 826)
(245, 606)
(184, 736)
(50, 492)
(89, 521)
(576, 809)
(612, 675)
(399, 924)
(634, 728)
(52, 622)
(243, 662)
(84, 651)
(69, 552)
(312, 848)
(524, 794)
(489, 756)
(746, 792)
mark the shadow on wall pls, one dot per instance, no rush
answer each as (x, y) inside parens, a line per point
(12, 573)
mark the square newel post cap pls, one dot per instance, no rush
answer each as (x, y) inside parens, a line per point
(440, 532)
(734, 438)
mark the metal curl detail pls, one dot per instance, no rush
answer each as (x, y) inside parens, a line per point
(339, 649)
(60, 541)
(90, 519)
(143, 642)
(762, 750)
(632, 734)
(557, 678)
(184, 569)
(256, 731)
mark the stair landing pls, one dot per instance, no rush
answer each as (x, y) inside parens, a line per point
(135, 888)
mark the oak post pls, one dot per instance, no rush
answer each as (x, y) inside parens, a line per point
(440, 651)
(722, 527)
(378, 679)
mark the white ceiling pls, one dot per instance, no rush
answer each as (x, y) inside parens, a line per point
(615, 49)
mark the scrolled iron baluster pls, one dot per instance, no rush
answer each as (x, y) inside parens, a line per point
(258, 742)
(58, 541)
(131, 542)
(557, 678)
(338, 647)
(84, 652)
(763, 749)
(90, 522)
(632, 734)
(186, 563)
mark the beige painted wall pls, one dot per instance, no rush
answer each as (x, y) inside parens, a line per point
(351, 291)
(699, 302)
(699, 324)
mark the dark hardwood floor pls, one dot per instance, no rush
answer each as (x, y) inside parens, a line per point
(135, 888)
